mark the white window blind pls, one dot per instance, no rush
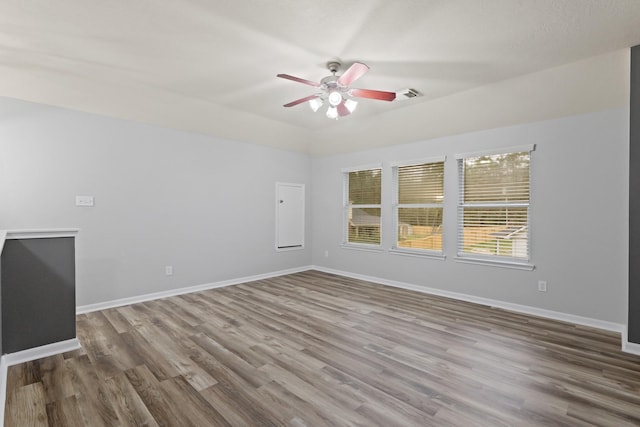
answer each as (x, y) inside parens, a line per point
(362, 205)
(493, 206)
(417, 204)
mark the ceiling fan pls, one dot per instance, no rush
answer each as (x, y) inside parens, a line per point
(336, 90)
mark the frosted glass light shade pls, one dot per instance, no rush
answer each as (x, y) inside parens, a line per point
(315, 104)
(351, 105)
(335, 98)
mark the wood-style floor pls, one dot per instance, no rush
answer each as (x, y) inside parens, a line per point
(313, 349)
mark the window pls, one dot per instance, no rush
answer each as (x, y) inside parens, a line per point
(362, 202)
(417, 206)
(493, 206)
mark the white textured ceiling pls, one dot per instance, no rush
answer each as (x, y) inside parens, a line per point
(210, 65)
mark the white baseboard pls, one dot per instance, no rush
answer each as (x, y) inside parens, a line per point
(629, 347)
(519, 308)
(180, 291)
(524, 309)
(27, 355)
(3, 389)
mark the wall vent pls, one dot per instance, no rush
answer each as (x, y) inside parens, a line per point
(407, 94)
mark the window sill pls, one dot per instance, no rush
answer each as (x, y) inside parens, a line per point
(418, 254)
(496, 263)
(362, 247)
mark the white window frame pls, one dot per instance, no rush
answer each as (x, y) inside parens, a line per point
(347, 207)
(395, 249)
(494, 260)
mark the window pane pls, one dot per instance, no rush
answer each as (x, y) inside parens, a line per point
(421, 183)
(420, 228)
(364, 225)
(365, 187)
(496, 178)
(495, 231)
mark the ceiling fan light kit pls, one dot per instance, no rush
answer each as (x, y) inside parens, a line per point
(315, 104)
(351, 105)
(335, 90)
(335, 98)
(332, 113)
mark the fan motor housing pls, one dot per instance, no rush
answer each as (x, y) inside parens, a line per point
(331, 82)
(334, 66)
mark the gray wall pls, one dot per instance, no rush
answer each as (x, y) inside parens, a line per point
(206, 206)
(578, 217)
(166, 197)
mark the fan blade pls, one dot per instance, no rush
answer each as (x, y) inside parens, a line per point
(354, 72)
(373, 94)
(298, 79)
(343, 110)
(301, 100)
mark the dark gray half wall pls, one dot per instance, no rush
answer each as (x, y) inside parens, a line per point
(1, 246)
(634, 201)
(38, 292)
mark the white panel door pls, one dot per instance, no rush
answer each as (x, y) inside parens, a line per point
(289, 216)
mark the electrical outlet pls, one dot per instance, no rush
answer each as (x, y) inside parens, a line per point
(326, 254)
(542, 285)
(168, 270)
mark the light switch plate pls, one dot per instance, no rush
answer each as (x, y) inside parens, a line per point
(84, 200)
